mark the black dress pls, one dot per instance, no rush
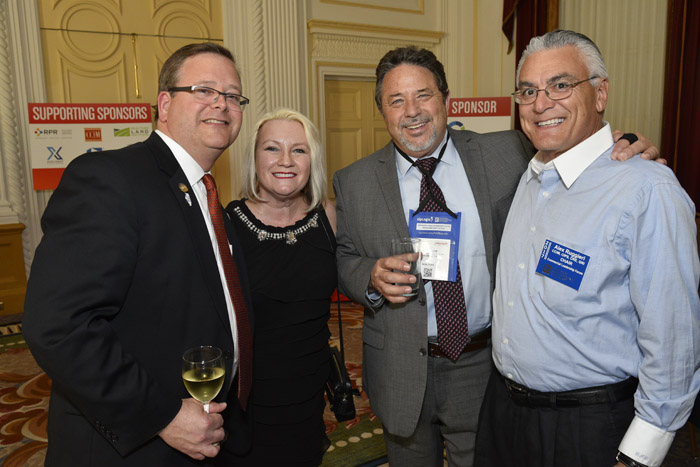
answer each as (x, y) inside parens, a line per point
(292, 273)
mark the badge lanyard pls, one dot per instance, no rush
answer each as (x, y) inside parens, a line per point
(438, 231)
(430, 195)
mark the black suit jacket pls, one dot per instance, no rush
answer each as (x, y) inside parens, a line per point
(124, 280)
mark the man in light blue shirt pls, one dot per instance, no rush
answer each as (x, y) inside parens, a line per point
(596, 327)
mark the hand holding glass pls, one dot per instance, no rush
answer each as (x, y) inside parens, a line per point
(203, 373)
(408, 250)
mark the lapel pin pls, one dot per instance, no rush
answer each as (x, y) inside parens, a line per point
(183, 188)
(188, 199)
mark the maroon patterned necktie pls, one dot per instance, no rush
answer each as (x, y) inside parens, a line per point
(245, 339)
(450, 309)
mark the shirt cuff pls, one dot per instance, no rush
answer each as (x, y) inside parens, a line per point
(645, 443)
(374, 298)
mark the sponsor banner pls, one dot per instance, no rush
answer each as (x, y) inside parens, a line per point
(58, 133)
(89, 113)
(480, 114)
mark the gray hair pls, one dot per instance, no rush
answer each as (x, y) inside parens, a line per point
(316, 189)
(562, 38)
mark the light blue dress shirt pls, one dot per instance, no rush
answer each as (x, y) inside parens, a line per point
(451, 177)
(636, 311)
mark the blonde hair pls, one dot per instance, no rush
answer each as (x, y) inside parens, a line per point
(316, 190)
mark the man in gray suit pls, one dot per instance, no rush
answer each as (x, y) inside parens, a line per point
(427, 391)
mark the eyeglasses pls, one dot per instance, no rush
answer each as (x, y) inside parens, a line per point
(209, 96)
(555, 91)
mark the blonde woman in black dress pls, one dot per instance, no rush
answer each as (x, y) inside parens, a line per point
(287, 228)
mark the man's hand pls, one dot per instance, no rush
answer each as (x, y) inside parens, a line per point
(195, 432)
(623, 150)
(383, 278)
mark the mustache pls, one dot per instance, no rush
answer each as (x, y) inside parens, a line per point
(415, 121)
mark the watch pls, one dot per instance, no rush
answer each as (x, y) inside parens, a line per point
(629, 462)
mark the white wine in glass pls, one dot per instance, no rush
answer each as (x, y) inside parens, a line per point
(203, 373)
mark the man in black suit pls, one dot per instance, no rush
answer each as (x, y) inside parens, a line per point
(129, 274)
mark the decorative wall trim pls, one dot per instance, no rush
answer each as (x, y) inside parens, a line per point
(317, 26)
(268, 39)
(26, 72)
(11, 184)
(244, 39)
(420, 8)
(285, 54)
(353, 50)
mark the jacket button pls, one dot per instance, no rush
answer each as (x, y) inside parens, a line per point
(422, 352)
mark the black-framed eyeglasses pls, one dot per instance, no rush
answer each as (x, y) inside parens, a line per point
(555, 91)
(209, 96)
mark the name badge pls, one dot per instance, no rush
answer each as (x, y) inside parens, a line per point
(562, 264)
(439, 235)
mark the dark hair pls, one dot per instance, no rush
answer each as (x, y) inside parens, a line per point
(410, 55)
(170, 72)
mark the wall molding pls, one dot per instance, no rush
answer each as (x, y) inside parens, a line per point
(352, 50)
(25, 73)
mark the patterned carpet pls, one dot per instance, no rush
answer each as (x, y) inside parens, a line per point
(24, 402)
(358, 442)
(25, 389)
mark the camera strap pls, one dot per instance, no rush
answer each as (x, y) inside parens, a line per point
(340, 328)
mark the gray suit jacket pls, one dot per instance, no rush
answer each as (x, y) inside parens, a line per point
(370, 214)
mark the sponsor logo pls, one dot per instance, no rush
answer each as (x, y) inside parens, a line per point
(45, 132)
(54, 153)
(93, 134)
(140, 131)
(52, 133)
(119, 132)
(94, 149)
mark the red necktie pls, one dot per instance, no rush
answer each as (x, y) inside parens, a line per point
(245, 340)
(450, 309)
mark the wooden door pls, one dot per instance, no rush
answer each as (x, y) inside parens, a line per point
(354, 126)
(112, 52)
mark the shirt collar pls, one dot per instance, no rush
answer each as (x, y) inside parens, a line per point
(571, 164)
(193, 171)
(450, 157)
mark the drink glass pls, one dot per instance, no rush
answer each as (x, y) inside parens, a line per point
(203, 373)
(408, 249)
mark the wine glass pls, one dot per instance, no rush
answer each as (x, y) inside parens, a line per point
(203, 373)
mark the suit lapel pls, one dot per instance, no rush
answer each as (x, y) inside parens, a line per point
(201, 242)
(388, 181)
(474, 165)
